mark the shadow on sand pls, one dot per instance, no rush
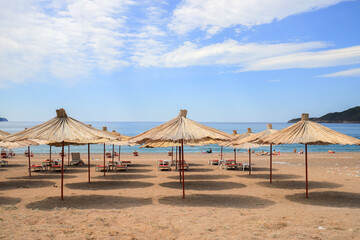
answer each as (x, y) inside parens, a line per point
(328, 199)
(123, 176)
(12, 165)
(108, 185)
(89, 202)
(203, 185)
(2, 169)
(141, 165)
(44, 175)
(298, 184)
(263, 169)
(218, 201)
(199, 170)
(267, 176)
(9, 201)
(201, 177)
(138, 170)
(24, 184)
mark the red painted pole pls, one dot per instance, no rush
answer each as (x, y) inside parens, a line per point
(50, 155)
(113, 156)
(235, 154)
(183, 167)
(306, 166)
(270, 163)
(176, 158)
(104, 159)
(221, 155)
(119, 152)
(62, 171)
(180, 163)
(29, 160)
(172, 155)
(68, 155)
(89, 162)
(249, 161)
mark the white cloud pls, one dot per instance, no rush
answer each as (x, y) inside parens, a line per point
(347, 73)
(213, 15)
(62, 39)
(315, 59)
(230, 52)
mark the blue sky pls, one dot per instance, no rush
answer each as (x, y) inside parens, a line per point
(230, 60)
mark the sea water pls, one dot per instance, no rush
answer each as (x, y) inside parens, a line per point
(134, 128)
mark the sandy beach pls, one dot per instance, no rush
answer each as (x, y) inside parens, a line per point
(144, 203)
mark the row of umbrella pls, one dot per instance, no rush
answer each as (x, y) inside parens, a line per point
(179, 131)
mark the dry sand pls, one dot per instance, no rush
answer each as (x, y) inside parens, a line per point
(145, 203)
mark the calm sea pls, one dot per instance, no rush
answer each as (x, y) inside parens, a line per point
(134, 128)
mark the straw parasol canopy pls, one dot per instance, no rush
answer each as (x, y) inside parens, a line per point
(180, 128)
(3, 134)
(238, 142)
(61, 129)
(11, 145)
(308, 133)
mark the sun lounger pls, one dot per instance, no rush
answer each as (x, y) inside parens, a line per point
(127, 163)
(3, 163)
(35, 167)
(247, 166)
(108, 155)
(163, 165)
(100, 168)
(27, 154)
(11, 153)
(229, 164)
(4, 154)
(186, 166)
(120, 167)
(76, 160)
(214, 162)
(170, 154)
(135, 153)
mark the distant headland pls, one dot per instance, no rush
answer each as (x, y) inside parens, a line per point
(351, 115)
(3, 119)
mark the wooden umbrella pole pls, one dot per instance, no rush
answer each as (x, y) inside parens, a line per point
(249, 161)
(62, 171)
(104, 159)
(89, 162)
(68, 155)
(180, 163)
(113, 153)
(270, 163)
(29, 160)
(176, 157)
(235, 154)
(306, 172)
(50, 155)
(183, 167)
(221, 155)
(119, 152)
(172, 155)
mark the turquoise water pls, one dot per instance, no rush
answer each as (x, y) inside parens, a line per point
(134, 128)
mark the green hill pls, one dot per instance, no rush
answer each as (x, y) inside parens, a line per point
(351, 115)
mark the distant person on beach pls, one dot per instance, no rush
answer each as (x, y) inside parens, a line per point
(209, 151)
(274, 152)
(294, 150)
(331, 151)
(301, 151)
(278, 152)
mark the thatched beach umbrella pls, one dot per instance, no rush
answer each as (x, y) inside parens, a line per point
(308, 133)
(62, 131)
(236, 143)
(258, 136)
(180, 130)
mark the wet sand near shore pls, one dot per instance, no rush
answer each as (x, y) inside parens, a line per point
(144, 203)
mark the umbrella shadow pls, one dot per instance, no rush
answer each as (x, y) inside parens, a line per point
(218, 201)
(125, 176)
(274, 176)
(90, 202)
(298, 184)
(328, 199)
(196, 164)
(3, 169)
(201, 177)
(43, 176)
(107, 185)
(9, 201)
(138, 170)
(24, 184)
(71, 170)
(200, 170)
(11, 165)
(203, 185)
(141, 165)
(262, 169)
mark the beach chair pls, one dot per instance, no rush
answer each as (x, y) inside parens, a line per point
(76, 160)
(4, 154)
(186, 166)
(163, 165)
(108, 155)
(60, 153)
(170, 153)
(46, 164)
(11, 153)
(37, 168)
(214, 162)
(57, 166)
(246, 166)
(135, 153)
(100, 168)
(229, 164)
(120, 167)
(3, 163)
(26, 153)
(127, 163)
